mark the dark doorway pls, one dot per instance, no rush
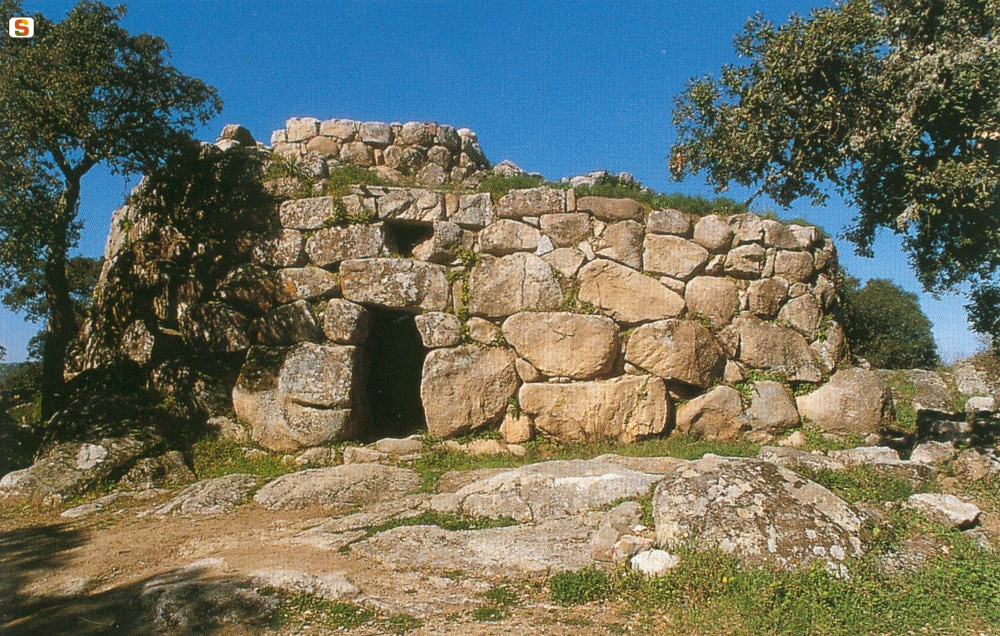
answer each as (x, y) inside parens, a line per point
(397, 360)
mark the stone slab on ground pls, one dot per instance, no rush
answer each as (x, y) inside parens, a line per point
(211, 496)
(547, 490)
(347, 484)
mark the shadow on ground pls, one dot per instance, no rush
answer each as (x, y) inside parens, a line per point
(184, 601)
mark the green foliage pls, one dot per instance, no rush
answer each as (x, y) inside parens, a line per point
(443, 520)
(301, 608)
(215, 457)
(583, 586)
(498, 186)
(890, 103)
(340, 180)
(884, 324)
(861, 483)
(80, 92)
(902, 398)
(711, 593)
(498, 602)
(402, 623)
(612, 186)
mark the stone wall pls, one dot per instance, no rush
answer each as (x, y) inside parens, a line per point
(572, 318)
(429, 153)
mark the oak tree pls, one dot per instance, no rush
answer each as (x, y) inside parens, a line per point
(81, 92)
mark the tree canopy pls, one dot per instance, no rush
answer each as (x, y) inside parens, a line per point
(893, 104)
(885, 325)
(82, 91)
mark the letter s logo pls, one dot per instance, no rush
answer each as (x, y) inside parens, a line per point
(21, 27)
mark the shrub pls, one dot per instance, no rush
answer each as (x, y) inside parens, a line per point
(884, 324)
(612, 186)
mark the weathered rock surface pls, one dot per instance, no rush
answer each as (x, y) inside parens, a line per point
(673, 256)
(332, 587)
(439, 329)
(713, 233)
(626, 408)
(306, 283)
(70, 468)
(507, 237)
(209, 497)
(755, 510)
(774, 347)
(501, 287)
(717, 414)
(332, 245)
(767, 296)
(466, 388)
(350, 484)
(395, 283)
(622, 242)
(948, 510)
(611, 210)
(853, 401)
(677, 350)
(562, 344)
(518, 204)
(552, 546)
(669, 222)
(303, 396)
(566, 230)
(772, 408)
(625, 294)
(547, 490)
(345, 322)
(714, 298)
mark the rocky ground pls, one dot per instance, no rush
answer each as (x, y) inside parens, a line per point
(522, 540)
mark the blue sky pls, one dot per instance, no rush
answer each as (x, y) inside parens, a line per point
(560, 88)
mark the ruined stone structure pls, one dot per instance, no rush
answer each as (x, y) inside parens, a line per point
(570, 317)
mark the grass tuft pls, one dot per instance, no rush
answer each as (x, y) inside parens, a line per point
(215, 457)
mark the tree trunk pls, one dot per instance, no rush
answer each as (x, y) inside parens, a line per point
(61, 326)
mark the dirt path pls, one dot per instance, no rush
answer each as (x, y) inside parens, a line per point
(86, 576)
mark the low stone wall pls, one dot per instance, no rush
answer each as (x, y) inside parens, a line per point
(573, 318)
(430, 153)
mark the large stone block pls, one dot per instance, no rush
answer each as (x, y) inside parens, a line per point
(446, 244)
(281, 248)
(747, 228)
(562, 344)
(566, 230)
(301, 129)
(714, 298)
(772, 408)
(679, 351)
(395, 283)
(713, 233)
(745, 261)
(774, 347)
(756, 511)
(853, 401)
(626, 408)
(669, 222)
(611, 210)
(622, 242)
(466, 388)
(411, 204)
(474, 211)
(518, 204)
(288, 325)
(626, 295)
(438, 329)
(215, 327)
(673, 256)
(765, 297)
(501, 287)
(506, 236)
(778, 235)
(804, 314)
(345, 322)
(306, 283)
(308, 214)
(302, 396)
(717, 414)
(334, 244)
(794, 266)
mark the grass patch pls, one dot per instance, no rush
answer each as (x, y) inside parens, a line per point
(218, 457)
(710, 593)
(816, 441)
(861, 483)
(611, 186)
(442, 520)
(583, 586)
(340, 179)
(499, 601)
(902, 401)
(297, 609)
(403, 623)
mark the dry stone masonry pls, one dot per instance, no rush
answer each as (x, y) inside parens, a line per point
(574, 318)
